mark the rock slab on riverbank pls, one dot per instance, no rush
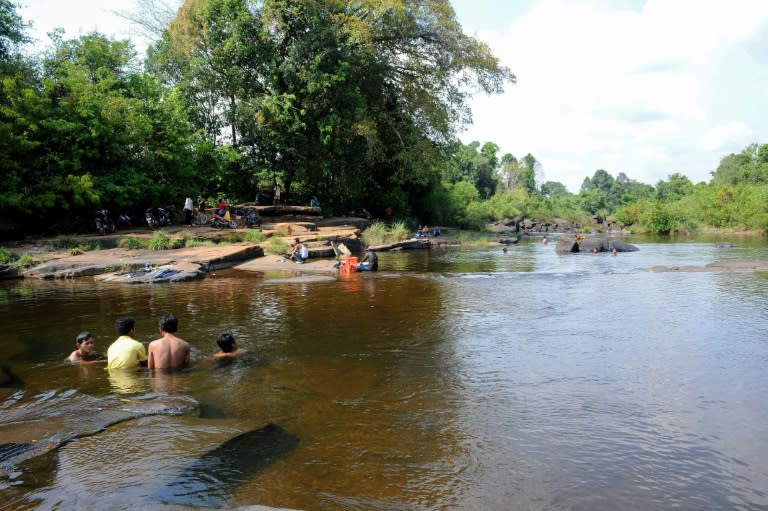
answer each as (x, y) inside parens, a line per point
(143, 266)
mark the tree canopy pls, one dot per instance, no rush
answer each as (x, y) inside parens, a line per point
(357, 103)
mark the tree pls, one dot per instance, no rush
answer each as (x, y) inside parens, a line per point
(553, 189)
(94, 132)
(528, 177)
(356, 100)
(676, 187)
(12, 31)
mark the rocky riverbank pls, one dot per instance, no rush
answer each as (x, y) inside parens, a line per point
(55, 259)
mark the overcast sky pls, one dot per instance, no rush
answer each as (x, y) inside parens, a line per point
(648, 88)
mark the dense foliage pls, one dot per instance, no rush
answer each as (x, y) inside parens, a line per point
(357, 103)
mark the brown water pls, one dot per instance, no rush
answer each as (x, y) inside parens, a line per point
(452, 379)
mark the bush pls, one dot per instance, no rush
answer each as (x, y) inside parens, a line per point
(254, 236)
(7, 257)
(23, 262)
(87, 247)
(276, 246)
(380, 234)
(131, 242)
(160, 241)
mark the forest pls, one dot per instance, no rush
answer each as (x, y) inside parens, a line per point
(359, 104)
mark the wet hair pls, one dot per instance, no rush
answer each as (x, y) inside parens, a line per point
(226, 341)
(82, 337)
(169, 323)
(125, 325)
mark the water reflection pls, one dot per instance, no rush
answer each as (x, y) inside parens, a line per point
(463, 379)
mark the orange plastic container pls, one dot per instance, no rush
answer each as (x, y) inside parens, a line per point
(351, 263)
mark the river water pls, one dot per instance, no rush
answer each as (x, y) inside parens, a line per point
(453, 378)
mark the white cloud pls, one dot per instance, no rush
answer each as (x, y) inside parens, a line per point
(633, 91)
(79, 17)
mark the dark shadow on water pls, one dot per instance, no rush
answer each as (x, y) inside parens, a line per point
(209, 411)
(210, 480)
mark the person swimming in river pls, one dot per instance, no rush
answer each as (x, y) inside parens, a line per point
(85, 350)
(227, 346)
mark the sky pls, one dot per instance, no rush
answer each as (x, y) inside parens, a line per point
(647, 88)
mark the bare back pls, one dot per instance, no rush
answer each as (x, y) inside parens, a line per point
(168, 352)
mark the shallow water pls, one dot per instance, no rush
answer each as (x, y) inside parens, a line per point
(452, 379)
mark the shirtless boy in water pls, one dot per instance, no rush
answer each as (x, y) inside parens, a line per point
(228, 346)
(169, 351)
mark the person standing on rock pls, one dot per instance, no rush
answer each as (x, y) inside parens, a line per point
(169, 351)
(126, 352)
(276, 194)
(188, 211)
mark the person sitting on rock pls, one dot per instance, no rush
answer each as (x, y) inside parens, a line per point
(299, 253)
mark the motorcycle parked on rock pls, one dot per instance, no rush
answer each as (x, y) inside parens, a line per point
(157, 217)
(220, 222)
(104, 224)
(250, 217)
(124, 221)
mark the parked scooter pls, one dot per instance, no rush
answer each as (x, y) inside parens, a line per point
(250, 217)
(157, 217)
(124, 221)
(220, 222)
(104, 224)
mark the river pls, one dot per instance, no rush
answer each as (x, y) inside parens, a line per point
(454, 378)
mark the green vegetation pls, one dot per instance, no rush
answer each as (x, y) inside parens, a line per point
(359, 105)
(7, 257)
(85, 247)
(160, 241)
(276, 246)
(131, 242)
(380, 233)
(255, 237)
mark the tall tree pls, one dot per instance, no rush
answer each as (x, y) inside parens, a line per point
(357, 100)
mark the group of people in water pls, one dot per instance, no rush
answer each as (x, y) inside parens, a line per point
(168, 352)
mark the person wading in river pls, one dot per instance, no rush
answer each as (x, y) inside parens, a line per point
(126, 352)
(169, 351)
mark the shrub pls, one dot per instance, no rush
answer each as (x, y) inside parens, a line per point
(131, 242)
(379, 233)
(7, 257)
(254, 236)
(160, 241)
(23, 262)
(276, 246)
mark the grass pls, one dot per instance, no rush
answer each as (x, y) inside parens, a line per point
(7, 257)
(86, 247)
(160, 241)
(380, 233)
(253, 236)
(23, 262)
(276, 246)
(131, 242)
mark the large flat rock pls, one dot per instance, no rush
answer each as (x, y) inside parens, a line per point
(190, 262)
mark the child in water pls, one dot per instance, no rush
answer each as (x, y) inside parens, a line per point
(85, 349)
(228, 346)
